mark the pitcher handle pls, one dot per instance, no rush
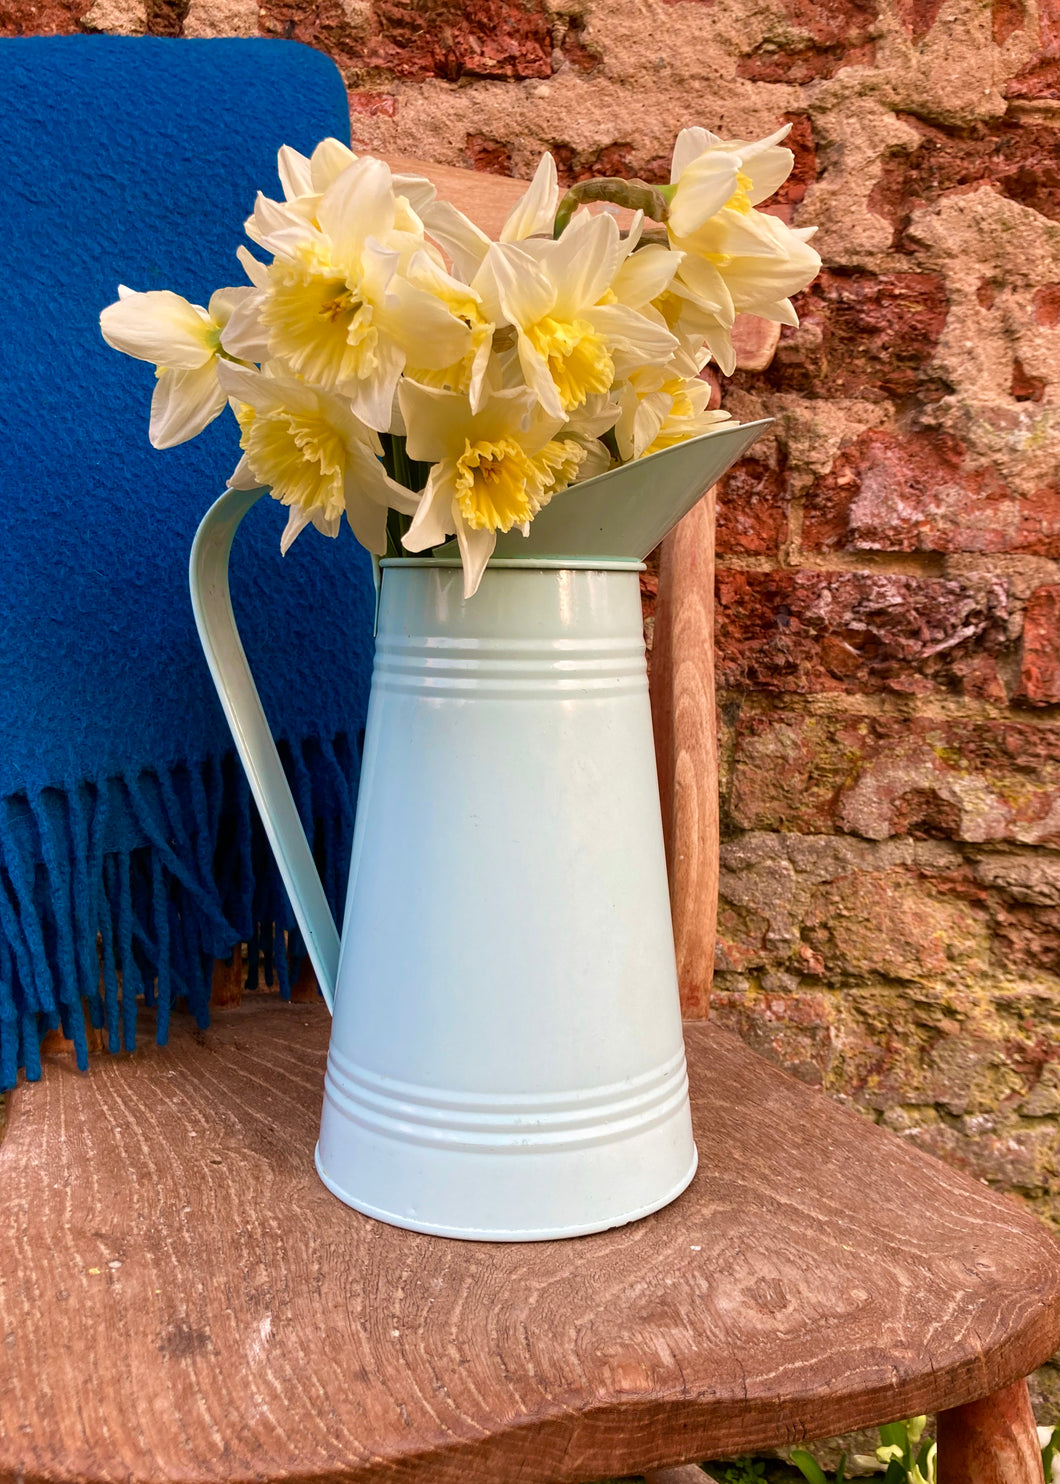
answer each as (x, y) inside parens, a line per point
(212, 602)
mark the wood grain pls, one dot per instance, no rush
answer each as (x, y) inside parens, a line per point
(992, 1441)
(686, 1473)
(182, 1300)
(686, 745)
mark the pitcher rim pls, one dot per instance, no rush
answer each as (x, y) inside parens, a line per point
(548, 564)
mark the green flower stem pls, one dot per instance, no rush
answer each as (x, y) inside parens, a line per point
(635, 195)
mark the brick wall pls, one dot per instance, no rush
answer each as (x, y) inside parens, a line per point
(889, 584)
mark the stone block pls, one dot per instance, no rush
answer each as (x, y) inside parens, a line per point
(813, 40)
(1040, 663)
(864, 335)
(492, 39)
(895, 491)
(800, 632)
(1014, 157)
(752, 508)
(885, 776)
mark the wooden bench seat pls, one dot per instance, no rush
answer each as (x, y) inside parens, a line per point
(182, 1300)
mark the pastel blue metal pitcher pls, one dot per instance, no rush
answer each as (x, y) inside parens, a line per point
(506, 1060)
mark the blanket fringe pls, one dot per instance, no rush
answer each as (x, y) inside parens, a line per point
(127, 890)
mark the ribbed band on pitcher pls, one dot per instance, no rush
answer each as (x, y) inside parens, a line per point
(510, 1122)
(509, 667)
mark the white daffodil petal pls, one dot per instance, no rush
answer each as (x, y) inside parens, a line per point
(525, 291)
(357, 204)
(630, 334)
(536, 210)
(434, 428)
(372, 401)
(244, 336)
(535, 370)
(767, 173)
(258, 273)
(465, 243)
(243, 476)
(703, 189)
(719, 338)
(263, 393)
(780, 311)
(297, 520)
(701, 281)
(278, 228)
(224, 301)
(597, 460)
(295, 176)
(160, 327)
(691, 143)
(330, 158)
(367, 517)
(582, 264)
(370, 481)
(423, 326)
(433, 522)
(417, 191)
(645, 275)
(476, 548)
(184, 402)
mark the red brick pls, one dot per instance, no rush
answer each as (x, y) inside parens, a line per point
(803, 632)
(986, 293)
(581, 55)
(1018, 159)
(752, 509)
(840, 32)
(874, 336)
(1039, 80)
(794, 1031)
(802, 145)
(41, 17)
(1007, 17)
(374, 105)
(484, 153)
(1040, 665)
(418, 39)
(1046, 306)
(918, 16)
(892, 491)
(1049, 27)
(887, 776)
(1025, 387)
(318, 23)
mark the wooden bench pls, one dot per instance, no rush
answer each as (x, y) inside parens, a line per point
(182, 1300)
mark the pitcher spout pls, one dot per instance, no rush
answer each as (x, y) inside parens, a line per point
(624, 514)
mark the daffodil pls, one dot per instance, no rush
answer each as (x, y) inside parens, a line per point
(336, 305)
(468, 374)
(661, 406)
(488, 472)
(735, 259)
(304, 180)
(572, 342)
(183, 342)
(314, 456)
(467, 245)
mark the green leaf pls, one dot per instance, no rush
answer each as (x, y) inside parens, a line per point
(808, 1467)
(894, 1434)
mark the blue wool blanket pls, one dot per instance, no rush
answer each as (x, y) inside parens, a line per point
(130, 854)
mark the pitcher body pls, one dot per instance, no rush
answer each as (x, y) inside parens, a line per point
(506, 1060)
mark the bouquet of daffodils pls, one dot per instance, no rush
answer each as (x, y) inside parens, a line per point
(393, 362)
